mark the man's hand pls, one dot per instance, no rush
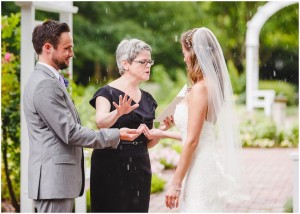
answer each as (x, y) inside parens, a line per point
(125, 106)
(129, 134)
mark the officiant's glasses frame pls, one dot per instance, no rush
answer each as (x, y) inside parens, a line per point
(145, 62)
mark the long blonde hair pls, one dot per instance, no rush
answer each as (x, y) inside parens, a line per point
(194, 71)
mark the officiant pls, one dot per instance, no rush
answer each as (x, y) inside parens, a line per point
(126, 186)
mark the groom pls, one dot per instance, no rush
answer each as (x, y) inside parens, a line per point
(56, 173)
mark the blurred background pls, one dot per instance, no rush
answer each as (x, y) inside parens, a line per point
(98, 27)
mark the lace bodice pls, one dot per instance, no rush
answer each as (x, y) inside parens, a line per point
(181, 120)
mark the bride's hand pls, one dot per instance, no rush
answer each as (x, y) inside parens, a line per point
(124, 106)
(167, 123)
(172, 197)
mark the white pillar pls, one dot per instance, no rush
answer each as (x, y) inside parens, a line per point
(251, 74)
(80, 203)
(65, 9)
(27, 66)
(68, 18)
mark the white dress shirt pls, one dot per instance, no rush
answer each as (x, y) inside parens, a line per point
(55, 72)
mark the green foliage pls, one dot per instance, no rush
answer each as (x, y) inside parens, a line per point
(279, 46)
(10, 109)
(105, 24)
(157, 184)
(288, 206)
(265, 128)
(258, 130)
(166, 164)
(281, 88)
(238, 81)
(288, 138)
(100, 26)
(88, 200)
(11, 31)
(81, 96)
(177, 147)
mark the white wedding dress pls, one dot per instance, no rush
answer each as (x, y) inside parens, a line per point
(202, 187)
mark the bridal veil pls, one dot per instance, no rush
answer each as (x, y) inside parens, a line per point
(221, 111)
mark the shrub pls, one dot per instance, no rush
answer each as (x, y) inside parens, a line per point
(288, 206)
(88, 201)
(265, 128)
(177, 147)
(157, 184)
(258, 130)
(238, 81)
(10, 109)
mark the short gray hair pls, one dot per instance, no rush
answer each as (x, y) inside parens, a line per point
(128, 49)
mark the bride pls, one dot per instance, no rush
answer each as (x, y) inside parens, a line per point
(208, 173)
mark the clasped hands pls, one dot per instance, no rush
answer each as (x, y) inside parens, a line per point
(125, 107)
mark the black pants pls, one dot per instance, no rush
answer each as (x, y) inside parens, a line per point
(121, 179)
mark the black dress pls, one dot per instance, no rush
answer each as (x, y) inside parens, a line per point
(121, 178)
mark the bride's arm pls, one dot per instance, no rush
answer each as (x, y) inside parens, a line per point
(198, 102)
(165, 134)
(156, 134)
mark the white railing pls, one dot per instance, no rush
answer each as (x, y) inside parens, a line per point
(263, 99)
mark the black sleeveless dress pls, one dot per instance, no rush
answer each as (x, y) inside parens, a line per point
(121, 178)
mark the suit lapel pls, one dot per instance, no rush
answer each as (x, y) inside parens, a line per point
(69, 100)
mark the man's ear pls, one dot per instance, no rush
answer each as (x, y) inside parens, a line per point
(47, 47)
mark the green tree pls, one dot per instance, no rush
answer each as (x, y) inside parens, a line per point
(160, 24)
(10, 109)
(279, 46)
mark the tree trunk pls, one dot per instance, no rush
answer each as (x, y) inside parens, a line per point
(14, 201)
(97, 72)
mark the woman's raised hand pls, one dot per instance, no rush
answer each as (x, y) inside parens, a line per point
(124, 106)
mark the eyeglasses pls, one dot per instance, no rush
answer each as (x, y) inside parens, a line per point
(145, 62)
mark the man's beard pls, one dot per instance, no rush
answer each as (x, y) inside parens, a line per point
(60, 64)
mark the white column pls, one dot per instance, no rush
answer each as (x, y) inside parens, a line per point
(68, 18)
(251, 72)
(28, 22)
(27, 66)
(80, 203)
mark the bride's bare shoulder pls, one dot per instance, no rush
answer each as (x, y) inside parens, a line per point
(199, 87)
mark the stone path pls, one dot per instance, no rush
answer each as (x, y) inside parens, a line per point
(269, 175)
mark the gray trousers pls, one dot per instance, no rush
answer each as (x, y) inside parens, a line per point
(54, 205)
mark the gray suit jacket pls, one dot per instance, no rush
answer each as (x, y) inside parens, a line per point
(56, 138)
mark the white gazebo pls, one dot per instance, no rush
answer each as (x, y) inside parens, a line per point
(256, 98)
(65, 9)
